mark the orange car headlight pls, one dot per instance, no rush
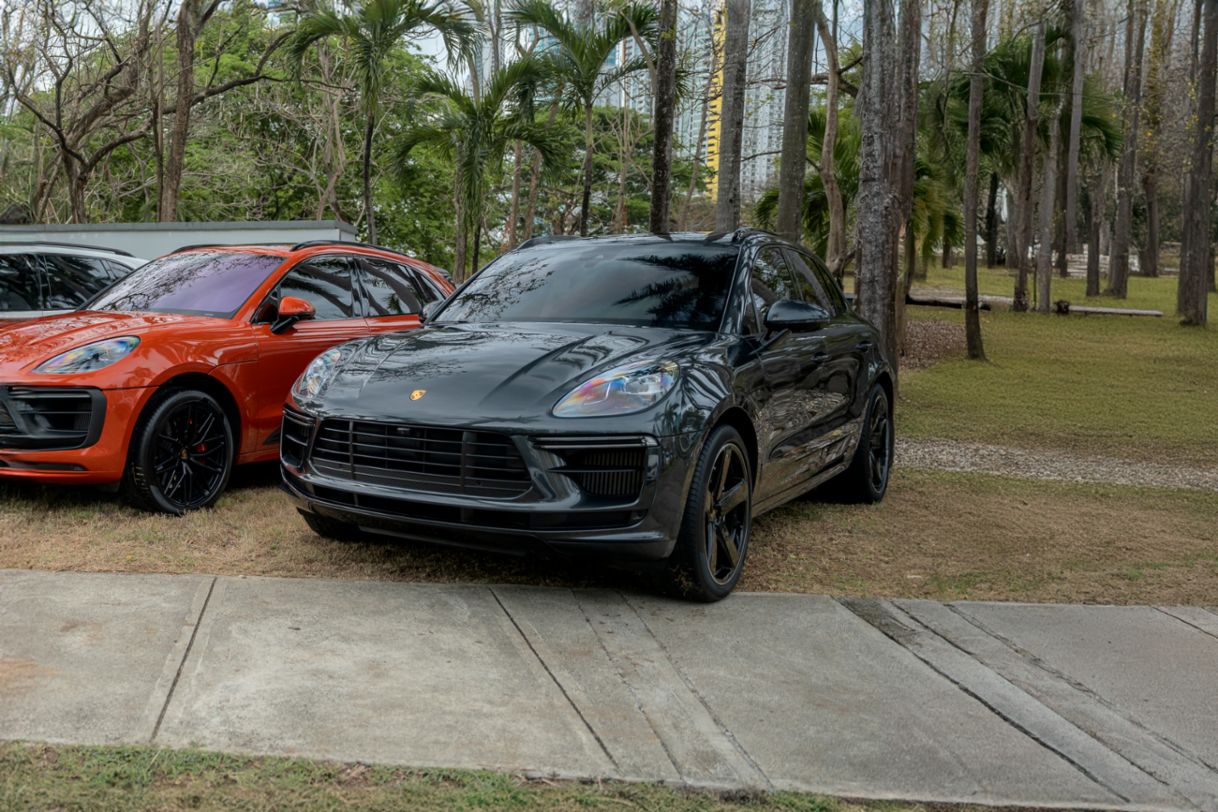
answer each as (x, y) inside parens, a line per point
(90, 357)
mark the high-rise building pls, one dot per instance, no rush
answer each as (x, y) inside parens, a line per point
(700, 30)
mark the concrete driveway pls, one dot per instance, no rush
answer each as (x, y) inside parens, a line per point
(1047, 706)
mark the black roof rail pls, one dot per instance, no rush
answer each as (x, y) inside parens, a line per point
(314, 243)
(546, 239)
(198, 245)
(744, 232)
(120, 252)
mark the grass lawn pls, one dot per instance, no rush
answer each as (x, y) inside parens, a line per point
(938, 535)
(1144, 293)
(144, 778)
(1136, 388)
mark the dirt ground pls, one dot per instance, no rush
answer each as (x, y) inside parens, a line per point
(937, 535)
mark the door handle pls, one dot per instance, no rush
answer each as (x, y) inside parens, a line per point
(820, 356)
(865, 345)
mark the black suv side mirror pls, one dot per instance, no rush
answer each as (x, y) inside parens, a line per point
(789, 314)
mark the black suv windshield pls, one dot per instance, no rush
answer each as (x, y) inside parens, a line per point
(197, 283)
(682, 285)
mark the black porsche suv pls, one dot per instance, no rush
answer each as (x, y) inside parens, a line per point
(641, 396)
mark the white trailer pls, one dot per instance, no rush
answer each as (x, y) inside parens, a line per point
(151, 240)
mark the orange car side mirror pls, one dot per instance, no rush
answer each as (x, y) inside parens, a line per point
(291, 310)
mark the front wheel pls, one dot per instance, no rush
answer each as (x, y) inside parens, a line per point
(714, 538)
(182, 454)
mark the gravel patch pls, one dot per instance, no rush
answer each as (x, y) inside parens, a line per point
(928, 341)
(947, 455)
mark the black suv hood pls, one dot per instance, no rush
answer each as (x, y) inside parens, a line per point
(473, 373)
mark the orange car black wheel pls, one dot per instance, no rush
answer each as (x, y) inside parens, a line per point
(181, 455)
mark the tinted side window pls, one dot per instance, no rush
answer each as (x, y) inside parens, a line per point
(771, 281)
(813, 290)
(18, 283)
(72, 281)
(429, 291)
(325, 283)
(831, 285)
(390, 289)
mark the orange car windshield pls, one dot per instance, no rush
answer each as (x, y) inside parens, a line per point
(201, 283)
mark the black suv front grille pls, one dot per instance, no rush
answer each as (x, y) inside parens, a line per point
(611, 469)
(50, 419)
(294, 437)
(421, 458)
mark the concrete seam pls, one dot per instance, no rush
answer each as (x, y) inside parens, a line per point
(727, 734)
(185, 656)
(1186, 622)
(1081, 688)
(638, 704)
(1009, 720)
(555, 680)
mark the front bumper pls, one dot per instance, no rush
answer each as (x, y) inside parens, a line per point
(63, 435)
(555, 512)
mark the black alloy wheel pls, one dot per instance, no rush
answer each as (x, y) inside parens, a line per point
(182, 454)
(866, 480)
(714, 538)
(879, 447)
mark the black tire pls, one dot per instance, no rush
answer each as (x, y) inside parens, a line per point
(714, 538)
(866, 480)
(329, 528)
(181, 455)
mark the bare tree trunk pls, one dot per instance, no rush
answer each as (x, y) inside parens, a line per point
(1078, 49)
(702, 122)
(1198, 273)
(1118, 261)
(369, 217)
(461, 240)
(514, 214)
(836, 245)
(731, 118)
(972, 310)
(192, 16)
(909, 44)
(1031, 129)
(662, 118)
(586, 199)
(795, 121)
(878, 206)
(1048, 194)
(991, 223)
(530, 213)
(1096, 217)
(1161, 31)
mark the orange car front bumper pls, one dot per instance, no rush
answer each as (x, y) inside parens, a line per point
(100, 462)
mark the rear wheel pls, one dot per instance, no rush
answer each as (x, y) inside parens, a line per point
(866, 480)
(182, 454)
(714, 538)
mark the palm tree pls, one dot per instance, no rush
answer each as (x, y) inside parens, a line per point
(578, 55)
(474, 133)
(369, 35)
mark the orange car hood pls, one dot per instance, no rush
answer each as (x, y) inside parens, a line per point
(28, 342)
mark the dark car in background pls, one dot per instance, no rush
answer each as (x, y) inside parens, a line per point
(37, 279)
(640, 396)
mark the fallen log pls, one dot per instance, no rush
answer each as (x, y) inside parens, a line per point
(1065, 308)
(956, 302)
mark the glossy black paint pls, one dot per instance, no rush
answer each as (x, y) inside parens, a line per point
(796, 393)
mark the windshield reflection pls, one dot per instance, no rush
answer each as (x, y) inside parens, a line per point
(201, 283)
(652, 285)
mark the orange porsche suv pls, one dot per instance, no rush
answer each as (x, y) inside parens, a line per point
(178, 372)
